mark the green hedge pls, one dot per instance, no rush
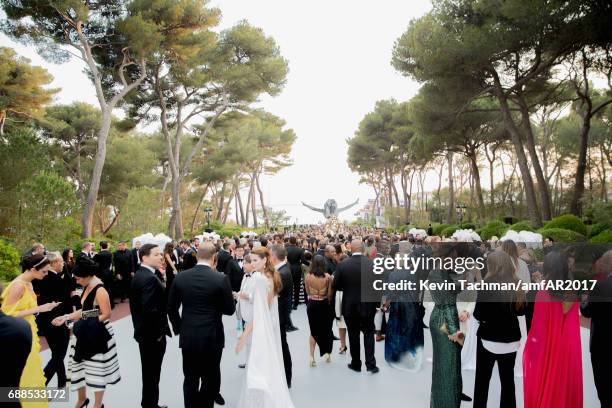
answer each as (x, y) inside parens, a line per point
(597, 229)
(467, 225)
(562, 235)
(493, 228)
(9, 262)
(568, 222)
(438, 228)
(602, 237)
(450, 230)
(524, 225)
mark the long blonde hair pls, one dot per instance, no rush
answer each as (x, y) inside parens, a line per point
(269, 269)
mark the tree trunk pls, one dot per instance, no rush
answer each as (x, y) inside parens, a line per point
(261, 199)
(576, 204)
(112, 223)
(197, 210)
(604, 185)
(221, 201)
(249, 202)
(253, 203)
(226, 209)
(96, 175)
(403, 183)
(476, 176)
(239, 205)
(450, 212)
(440, 183)
(535, 162)
(175, 226)
(532, 204)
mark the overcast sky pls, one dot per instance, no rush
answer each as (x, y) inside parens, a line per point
(339, 55)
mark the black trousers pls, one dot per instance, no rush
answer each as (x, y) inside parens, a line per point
(123, 286)
(602, 374)
(356, 325)
(485, 360)
(286, 355)
(151, 357)
(202, 377)
(296, 275)
(57, 338)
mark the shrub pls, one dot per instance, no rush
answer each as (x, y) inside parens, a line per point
(597, 229)
(562, 235)
(568, 222)
(524, 225)
(9, 262)
(602, 237)
(450, 230)
(493, 228)
(438, 228)
(467, 225)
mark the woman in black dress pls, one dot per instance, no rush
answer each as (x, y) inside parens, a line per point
(318, 289)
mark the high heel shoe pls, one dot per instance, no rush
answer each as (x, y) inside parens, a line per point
(343, 350)
(313, 363)
(85, 403)
(327, 357)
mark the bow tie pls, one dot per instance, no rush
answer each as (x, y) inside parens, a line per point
(247, 276)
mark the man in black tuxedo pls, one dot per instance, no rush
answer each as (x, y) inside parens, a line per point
(104, 259)
(224, 257)
(149, 315)
(122, 260)
(235, 271)
(598, 307)
(55, 288)
(358, 315)
(278, 255)
(135, 256)
(205, 295)
(15, 336)
(294, 259)
(189, 256)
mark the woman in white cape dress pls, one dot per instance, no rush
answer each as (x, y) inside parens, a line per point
(265, 385)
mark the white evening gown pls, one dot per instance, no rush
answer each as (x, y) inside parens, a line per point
(265, 385)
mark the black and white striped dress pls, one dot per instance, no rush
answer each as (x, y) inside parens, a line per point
(100, 370)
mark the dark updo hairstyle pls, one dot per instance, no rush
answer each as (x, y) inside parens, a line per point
(85, 267)
(317, 266)
(37, 262)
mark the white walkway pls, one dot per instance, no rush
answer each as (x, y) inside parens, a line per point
(330, 385)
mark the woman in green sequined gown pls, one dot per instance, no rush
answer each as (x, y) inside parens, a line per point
(446, 383)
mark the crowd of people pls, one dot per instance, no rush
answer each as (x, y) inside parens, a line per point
(185, 288)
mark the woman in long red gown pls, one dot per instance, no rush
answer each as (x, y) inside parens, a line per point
(552, 360)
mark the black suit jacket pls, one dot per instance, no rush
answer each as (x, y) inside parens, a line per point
(598, 307)
(16, 341)
(235, 274)
(189, 259)
(284, 309)
(54, 287)
(294, 257)
(205, 296)
(347, 278)
(123, 262)
(148, 307)
(223, 259)
(135, 259)
(105, 260)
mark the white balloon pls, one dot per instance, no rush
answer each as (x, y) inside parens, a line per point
(531, 239)
(466, 235)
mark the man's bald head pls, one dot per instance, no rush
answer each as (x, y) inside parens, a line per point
(357, 245)
(206, 251)
(605, 263)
